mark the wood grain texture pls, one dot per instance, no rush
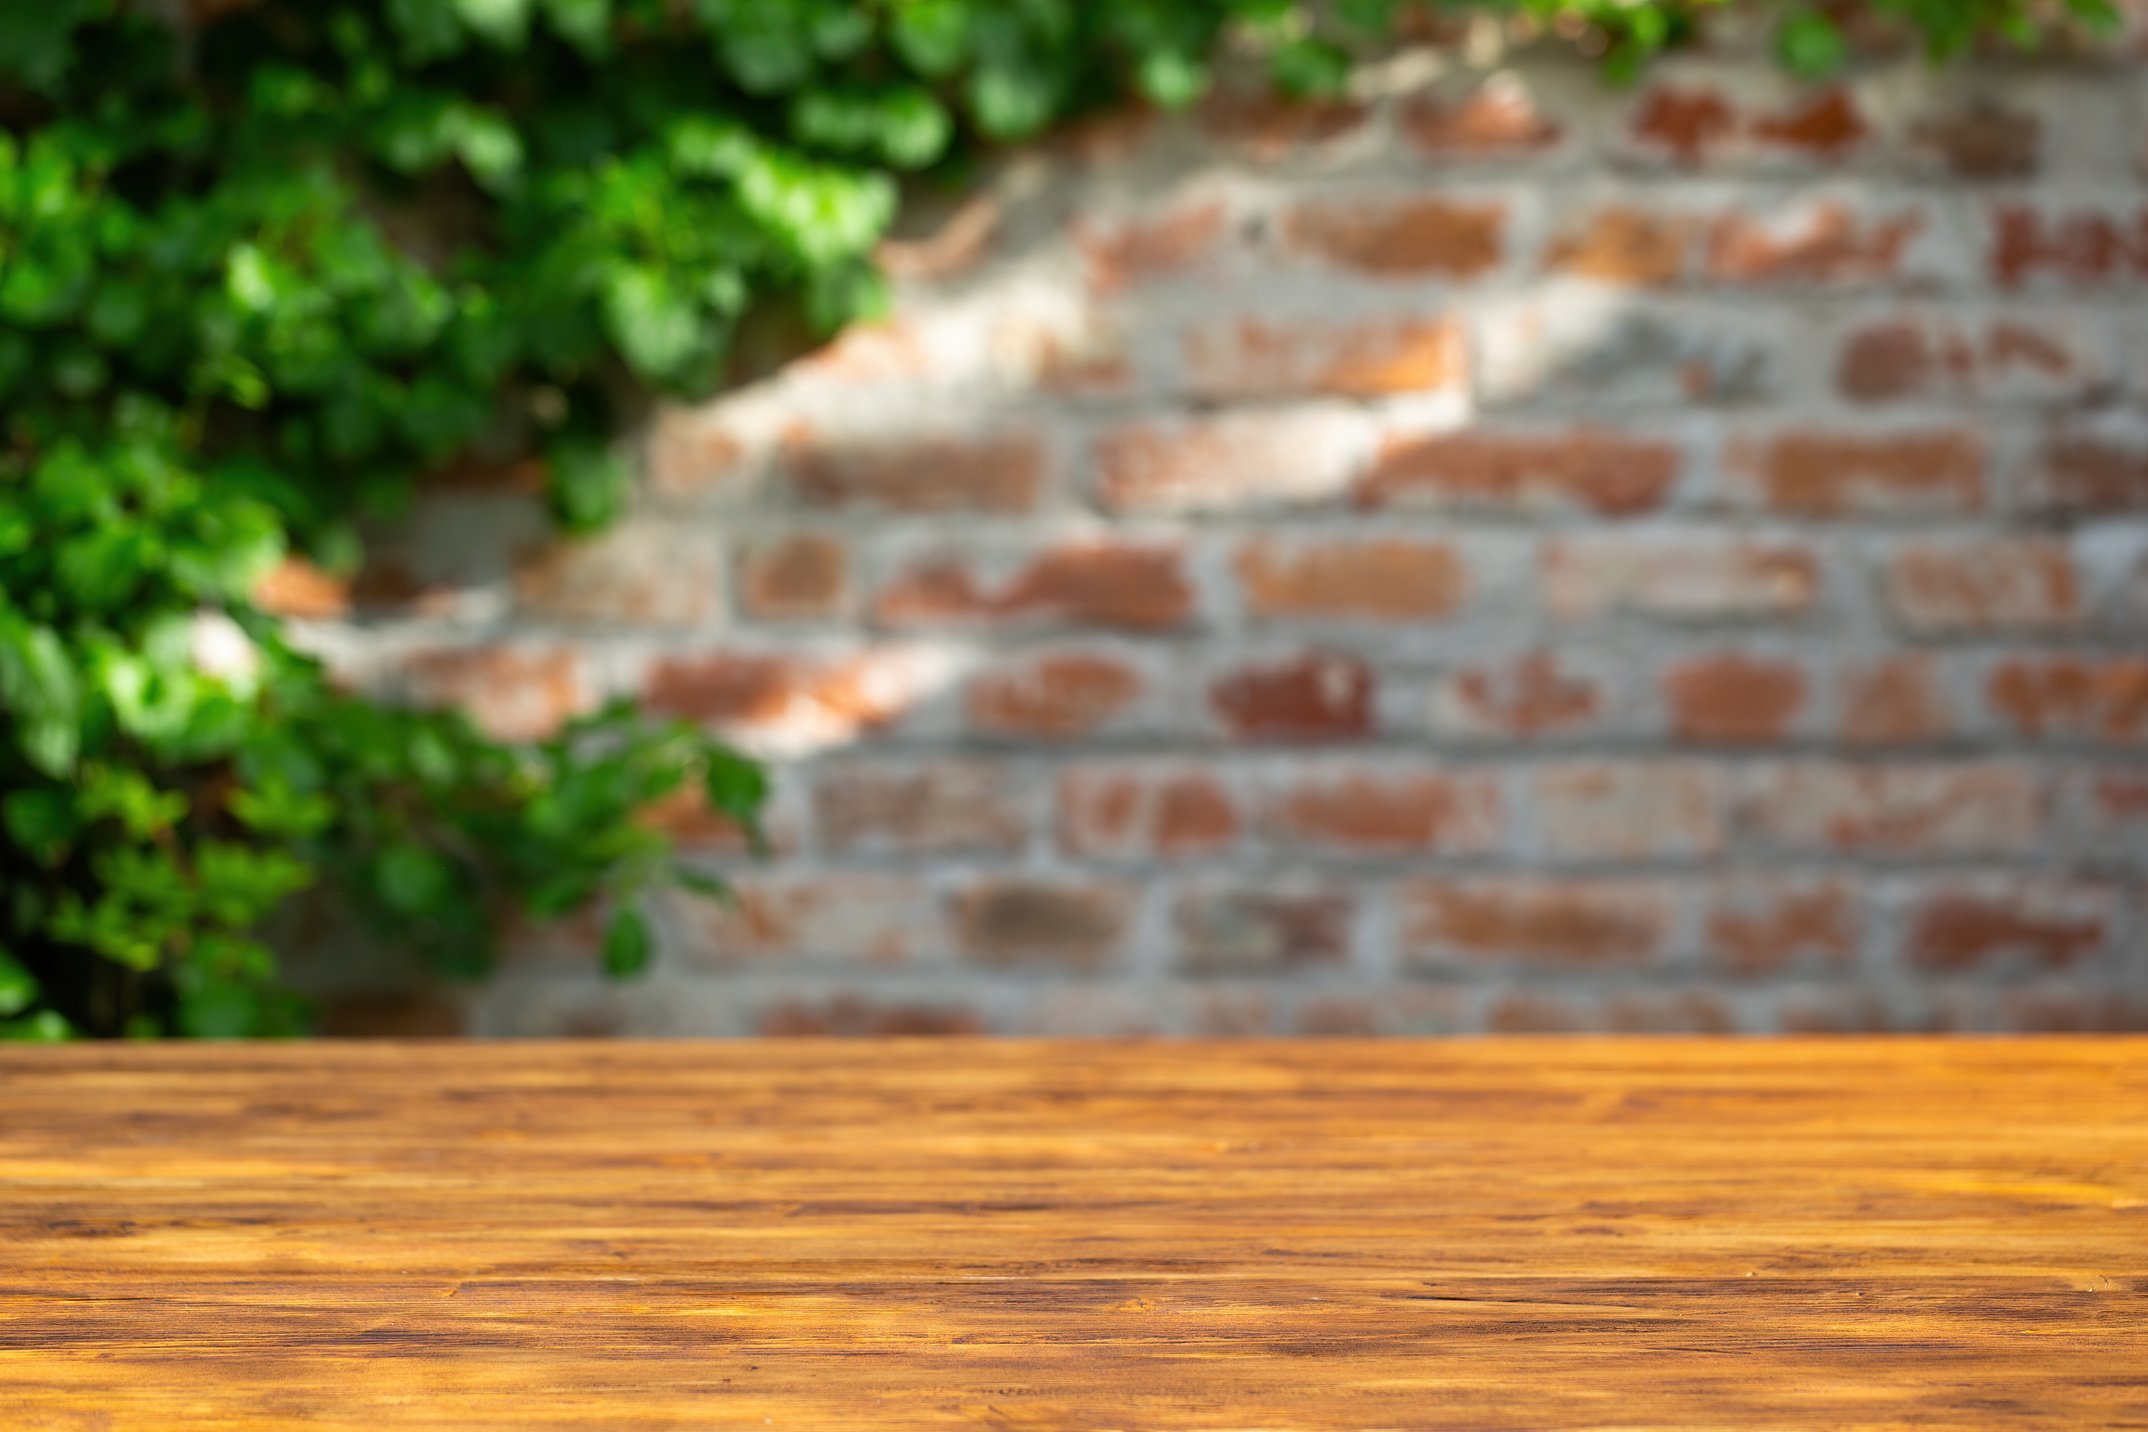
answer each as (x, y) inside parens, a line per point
(1047, 1236)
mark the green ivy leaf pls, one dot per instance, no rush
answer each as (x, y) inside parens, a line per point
(626, 943)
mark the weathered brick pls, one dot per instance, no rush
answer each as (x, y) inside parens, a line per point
(1521, 698)
(1622, 244)
(692, 451)
(2074, 1007)
(1317, 695)
(956, 238)
(1085, 353)
(1133, 811)
(1959, 926)
(1987, 585)
(1121, 253)
(1627, 810)
(1373, 579)
(1416, 237)
(1495, 119)
(1555, 353)
(1263, 125)
(1230, 1013)
(857, 918)
(638, 573)
(1984, 138)
(1898, 809)
(1014, 921)
(1230, 463)
(513, 692)
(1052, 695)
(2086, 474)
(1385, 811)
(988, 473)
(1693, 1011)
(797, 698)
(1238, 929)
(1891, 701)
(1124, 585)
(2074, 696)
(804, 576)
(1828, 243)
(853, 1016)
(1681, 122)
(1771, 925)
(2113, 806)
(1387, 1011)
(1284, 357)
(2080, 248)
(392, 1016)
(1598, 470)
(1536, 921)
(1694, 578)
(1922, 356)
(1826, 124)
(1733, 698)
(1842, 474)
(940, 807)
(295, 587)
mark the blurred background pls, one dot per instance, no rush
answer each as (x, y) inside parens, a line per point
(1485, 549)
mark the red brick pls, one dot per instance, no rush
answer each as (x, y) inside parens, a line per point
(772, 693)
(1827, 244)
(889, 352)
(850, 1016)
(2082, 248)
(685, 817)
(1101, 584)
(1264, 125)
(1538, 693)
(2080, 475)
(1595, 470)
(1736, 699)
(2072, 1009)
(1851, 1010)
(691, 451)
(1236, 462)
(1921, 809)
(1262, 930)
(1493, 120)
(801, 577)
(1999, 584)
(1682, 122)
(1512, 920)
(1982, 139)
(2074, 696)
(1083, 355)
(993, 473)
(638, 574)
(2114, 806)
(1315, 696)
(1627, 810)
(513, 693)
(297, 588)
(1379, 579)
(1893, 701)
(1697, 578)
(1121, 253)
(1841, 474)
(1379, 811)
(1825, 125)
(1052, 695)
(863, 919)
(1770, 925)
(1428, 236)
(1010, 921)
(927, 808)
(1917, 357)
(1965, 926)
(1280, 358)
(1620, 244)
(1136, 812)
(1528, 1012)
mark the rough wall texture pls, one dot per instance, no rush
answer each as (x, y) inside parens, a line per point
(1509, 554)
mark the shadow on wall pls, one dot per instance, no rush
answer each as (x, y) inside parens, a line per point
(1497, 553)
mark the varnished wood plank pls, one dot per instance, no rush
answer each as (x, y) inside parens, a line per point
(1509, 1234)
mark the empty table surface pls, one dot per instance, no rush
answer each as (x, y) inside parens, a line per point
(1535, 1233)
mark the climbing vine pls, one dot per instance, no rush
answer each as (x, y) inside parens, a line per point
(266, 265)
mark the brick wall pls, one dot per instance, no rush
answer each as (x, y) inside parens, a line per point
(1507, 554)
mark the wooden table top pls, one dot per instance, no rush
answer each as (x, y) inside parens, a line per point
(1526, 1233)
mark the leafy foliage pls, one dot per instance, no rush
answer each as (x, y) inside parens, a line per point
(259, 275)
